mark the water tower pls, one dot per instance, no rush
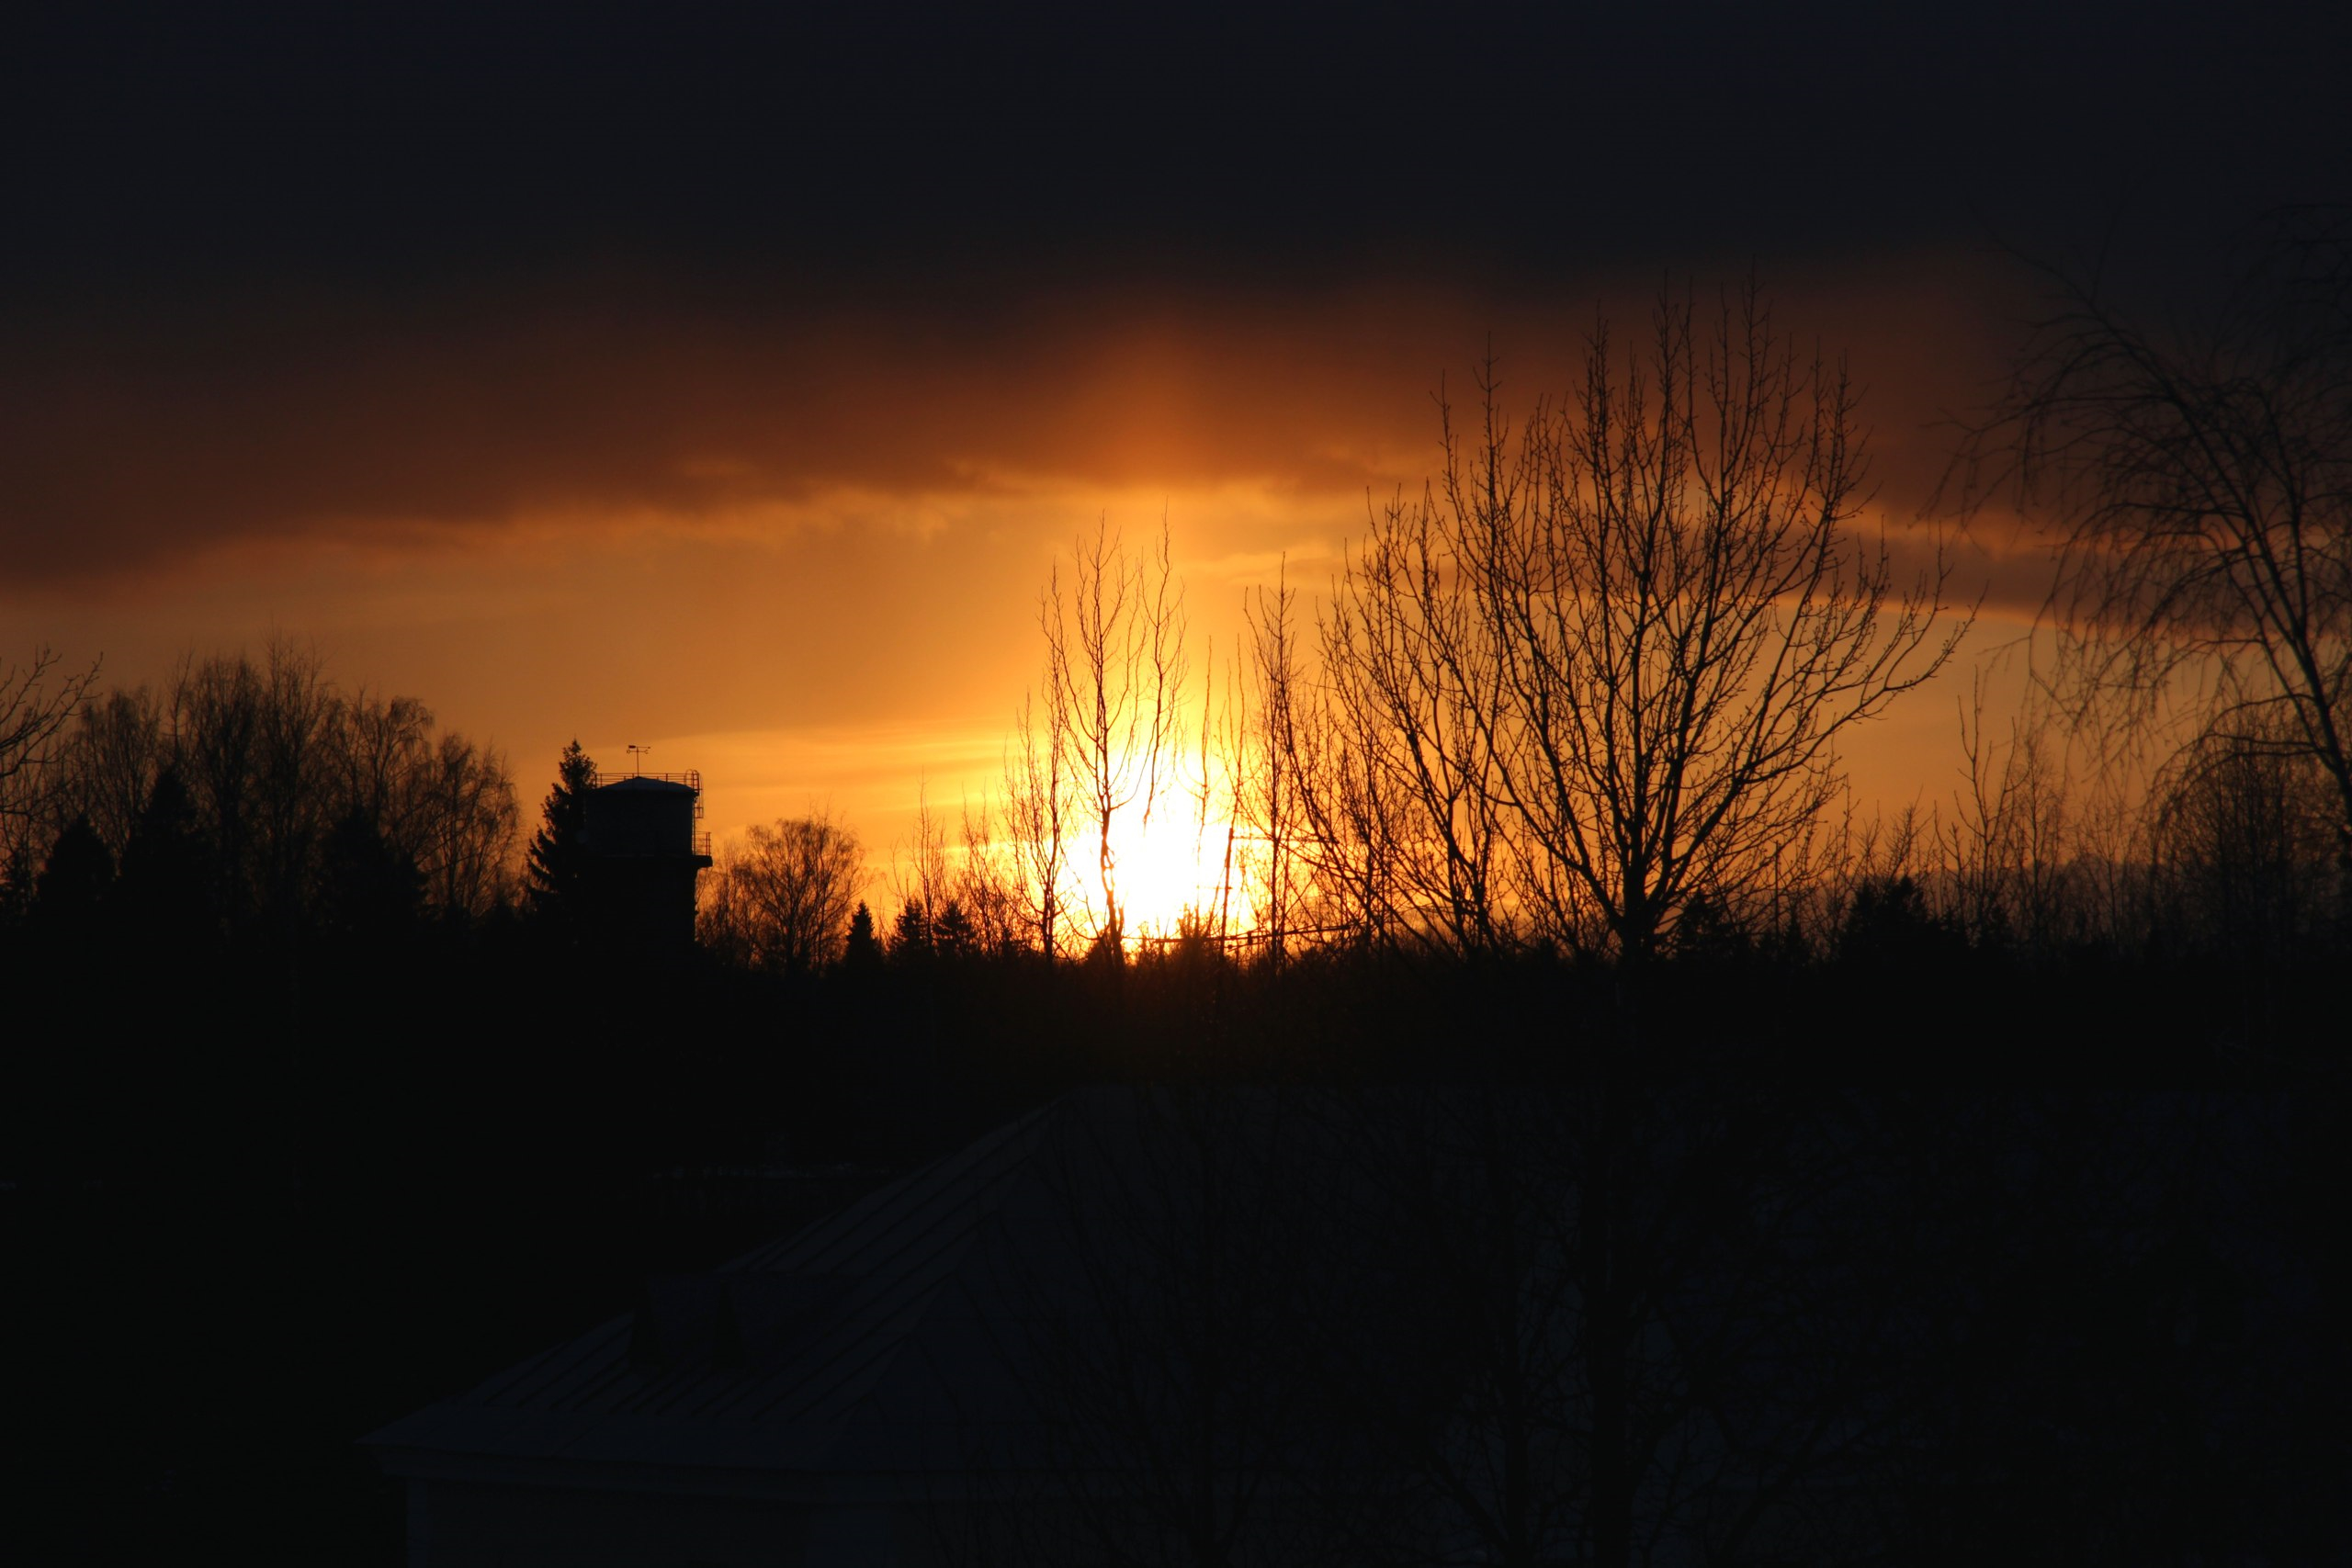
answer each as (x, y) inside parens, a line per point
(644, 852)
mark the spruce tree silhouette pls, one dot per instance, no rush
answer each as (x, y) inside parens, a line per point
(863, 950)
(1890, 925)
(911, 936)
(952, 932)
(164, 896)
(555, 867)
(72, 889)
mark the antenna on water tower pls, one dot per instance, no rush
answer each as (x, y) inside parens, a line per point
(637, 755)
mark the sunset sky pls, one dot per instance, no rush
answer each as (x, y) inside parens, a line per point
(725, 381)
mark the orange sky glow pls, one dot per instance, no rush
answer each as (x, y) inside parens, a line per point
(803, 554)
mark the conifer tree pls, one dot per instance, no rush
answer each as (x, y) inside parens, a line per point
(555, 865)
(73, 886)
(165, 891)
(865, 949)
(911, 934)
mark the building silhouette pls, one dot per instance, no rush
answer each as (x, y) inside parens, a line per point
(644, 852)
(789, 1408)
(845, 1397)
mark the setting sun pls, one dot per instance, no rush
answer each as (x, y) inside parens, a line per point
(1174, 867)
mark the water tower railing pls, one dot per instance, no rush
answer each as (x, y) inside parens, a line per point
(691, 778)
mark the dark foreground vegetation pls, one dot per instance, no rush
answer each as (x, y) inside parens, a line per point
(270, 1188)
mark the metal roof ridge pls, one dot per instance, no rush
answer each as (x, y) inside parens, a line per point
(792, 1254)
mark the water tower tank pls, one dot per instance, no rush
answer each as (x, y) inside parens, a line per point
(644, 815)
(645, 852)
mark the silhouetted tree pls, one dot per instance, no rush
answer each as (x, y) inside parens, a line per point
(292, 794)
(163, 891)
(257, 745)
(1273, 761)
(35, 705)
(1889, 929)
(953, 933)
(1317, 800)
(555, 865)
(1604, 661)
(109, 761)
(862, 950)
(73, 886)
(2243, 836)
(1708, 933)
(1040, 807)
(1106, 954)
(783, 897)
(273, 755)
(2201, 482)
(467, 853)
(1115, 671)
(922, 880)
(448, 806)
(370, 889)
(910, 932)
(988, 887)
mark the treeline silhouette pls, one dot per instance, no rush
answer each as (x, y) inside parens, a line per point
(265, 801)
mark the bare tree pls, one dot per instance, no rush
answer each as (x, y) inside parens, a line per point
(295, 801)
(1357, 823)
(1272, 789)
(383, 740)
(2009, 846)
(2241, 835)
(1812, 892)
(216, 714)
(1039, 808)
(273, 755)
(1325, 812)
(1604, 661)
(782, 899)
(108, 764)
(1115, 663)
(2199, 481)
(920, 875)
(35, 704)
(465, 827)
(1416, 696)
(446, 806)
(316, 756)
(986, 885)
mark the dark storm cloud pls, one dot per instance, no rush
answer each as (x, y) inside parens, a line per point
(129, 445)
(274, 274)
(123, 449)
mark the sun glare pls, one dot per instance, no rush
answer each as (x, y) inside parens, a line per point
(1169, 868)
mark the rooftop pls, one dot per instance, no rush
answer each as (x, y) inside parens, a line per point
(689, 780)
